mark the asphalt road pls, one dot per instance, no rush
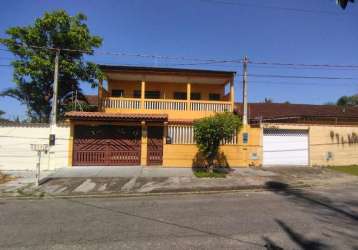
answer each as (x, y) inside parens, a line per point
(278, 219)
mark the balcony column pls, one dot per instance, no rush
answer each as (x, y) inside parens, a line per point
(142, 94)
(232, 94)
(188, 95)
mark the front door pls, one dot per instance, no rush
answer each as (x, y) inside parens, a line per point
(155, 145)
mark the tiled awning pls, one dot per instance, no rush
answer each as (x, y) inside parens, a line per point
(101, 116)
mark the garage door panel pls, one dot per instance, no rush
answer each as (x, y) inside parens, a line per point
(106, 145)
(285, 147)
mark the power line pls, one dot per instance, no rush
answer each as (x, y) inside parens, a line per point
(269, 76)
(304, 65)
(331, 84)
(202, 60)
(92, 52)
(302, 77)
(224, 2)
(301, 68)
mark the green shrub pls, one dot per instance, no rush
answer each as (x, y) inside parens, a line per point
(209, 132)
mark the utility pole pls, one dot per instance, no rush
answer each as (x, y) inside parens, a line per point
(53, 115)
(244, 91)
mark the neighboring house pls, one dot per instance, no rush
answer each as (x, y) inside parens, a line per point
(145, 117)
(301, 134)
(300, 113)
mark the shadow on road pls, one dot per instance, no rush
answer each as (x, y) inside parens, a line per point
(270, 245)
(314, 200)
(339, 218)
(299, 239)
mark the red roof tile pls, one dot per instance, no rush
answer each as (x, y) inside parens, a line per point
(283, 110)
(100, 116)
(92, 99)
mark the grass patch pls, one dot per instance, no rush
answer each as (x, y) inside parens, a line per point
(205, 174)
(352, 170)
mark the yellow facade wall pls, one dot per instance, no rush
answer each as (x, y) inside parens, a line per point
(182, 155)
(342, 146)
(167, 89)
(321, 142)
(172, 114)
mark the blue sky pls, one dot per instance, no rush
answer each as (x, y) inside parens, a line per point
(227, 29)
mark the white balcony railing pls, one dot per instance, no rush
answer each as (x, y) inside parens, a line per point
(122, 103)
(210, 106)
(165, 104)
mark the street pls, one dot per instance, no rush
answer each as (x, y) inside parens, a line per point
(283, 218)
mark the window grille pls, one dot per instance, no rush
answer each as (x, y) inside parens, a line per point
(184, 134)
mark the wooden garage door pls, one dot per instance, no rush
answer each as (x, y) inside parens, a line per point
(285, 147)
(106, 145)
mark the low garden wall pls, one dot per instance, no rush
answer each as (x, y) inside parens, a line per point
(15, 149)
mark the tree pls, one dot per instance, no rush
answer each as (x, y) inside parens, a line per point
(268, 100)
(344, 3)
(348, 101)
(34, 65)
(209, 132)
(2, 119)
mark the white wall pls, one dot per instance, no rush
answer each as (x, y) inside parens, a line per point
(15, 150)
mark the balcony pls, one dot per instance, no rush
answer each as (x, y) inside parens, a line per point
(182, 94)
(176, 109)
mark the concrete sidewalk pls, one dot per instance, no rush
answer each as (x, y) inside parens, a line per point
(145, 172)
(120, 172)
(84, 181)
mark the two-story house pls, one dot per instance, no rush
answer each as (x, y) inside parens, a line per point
(145, 117)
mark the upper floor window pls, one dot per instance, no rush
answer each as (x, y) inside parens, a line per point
(117, 92)
(180, 95)
(136, 94)
(152, 94)
(214, 97)
(148, 94)
(195, 96)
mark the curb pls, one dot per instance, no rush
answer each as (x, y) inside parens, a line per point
(47, 196)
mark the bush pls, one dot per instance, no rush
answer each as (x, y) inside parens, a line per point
(200, 173)
(209, 132)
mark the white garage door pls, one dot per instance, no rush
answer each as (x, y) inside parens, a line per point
(285, 147)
